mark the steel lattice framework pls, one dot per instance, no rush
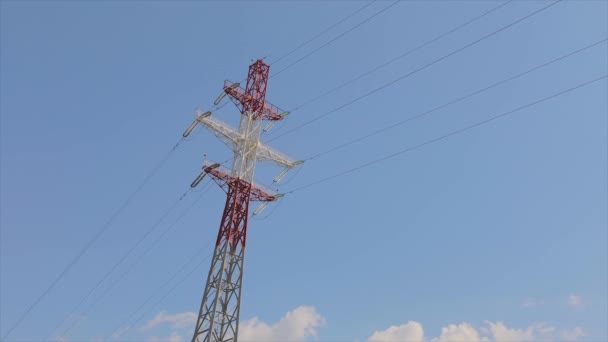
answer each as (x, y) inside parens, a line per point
(218, 318)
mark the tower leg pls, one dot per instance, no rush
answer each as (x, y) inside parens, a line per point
(219, 313)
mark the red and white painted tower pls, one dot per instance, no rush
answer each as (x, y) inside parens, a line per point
(218, 318)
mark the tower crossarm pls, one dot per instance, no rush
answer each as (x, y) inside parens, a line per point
(218, 317)
(223, 178)
(268, 154)
(231, 137)
(239, 97)
(222, 130)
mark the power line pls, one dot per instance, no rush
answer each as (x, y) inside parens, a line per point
(122, 260)
(323, 32)
(336, 38)
(414, 71)
(456, 100)
(99, 233)
(349, 171)
(141, 256)
(183, 267)
(105, 227)
(315, 37)
(94, 239)
(164, 295)
(407, 53)
(447, 135)
(181, 281)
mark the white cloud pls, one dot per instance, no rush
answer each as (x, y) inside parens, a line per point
(173, 338)
(574, 334)
(303, 322)
(296, 325)
(465, 332)
(530, 303)
(459, 332)
(119, 332)
(177, 321)
(410, 332)
(537, 332)
(576, 301)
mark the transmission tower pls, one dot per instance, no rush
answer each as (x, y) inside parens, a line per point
(218, 318)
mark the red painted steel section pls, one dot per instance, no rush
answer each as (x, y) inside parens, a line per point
(233, 227)
(257, 81)
(252, 98)
(224, 180)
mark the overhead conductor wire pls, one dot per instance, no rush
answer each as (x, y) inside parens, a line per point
(118, 333)
(142, 238)
(139, 259)
(407, 53)
(92, 241)
(98, 234)
(437, 38)
(445, 136)
(322, 32)
(119, 330)
(391, 61)
(331, 41)
(413, 72)
(437, 139)
(120, 261)
(122, 329)
(335, 38)
(126, 255)
(146, 180)
(464, 97)
(428, 112)
(385, 64)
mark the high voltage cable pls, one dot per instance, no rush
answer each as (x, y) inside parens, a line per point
(386, 128)
(167, 282)
(414, 71)
(94, 239)
(181, 281)
(438, 108)
(177, 272)
(342, 85)
(447, 135)
(443, 106)
(297, 189)
(125, 256)
(323, 32)
(292, 64)
(120, 261)
(335, 38)
(147, 179)
(99, 233)
(407, 53)
(109, 222)
(369, 164)
(164, 295)
(128, 270)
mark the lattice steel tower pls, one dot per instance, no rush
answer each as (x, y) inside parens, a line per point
(218, 318)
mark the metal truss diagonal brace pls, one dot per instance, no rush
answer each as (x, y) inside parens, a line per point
(232, 137)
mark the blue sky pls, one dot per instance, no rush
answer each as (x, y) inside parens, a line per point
(498, 232)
